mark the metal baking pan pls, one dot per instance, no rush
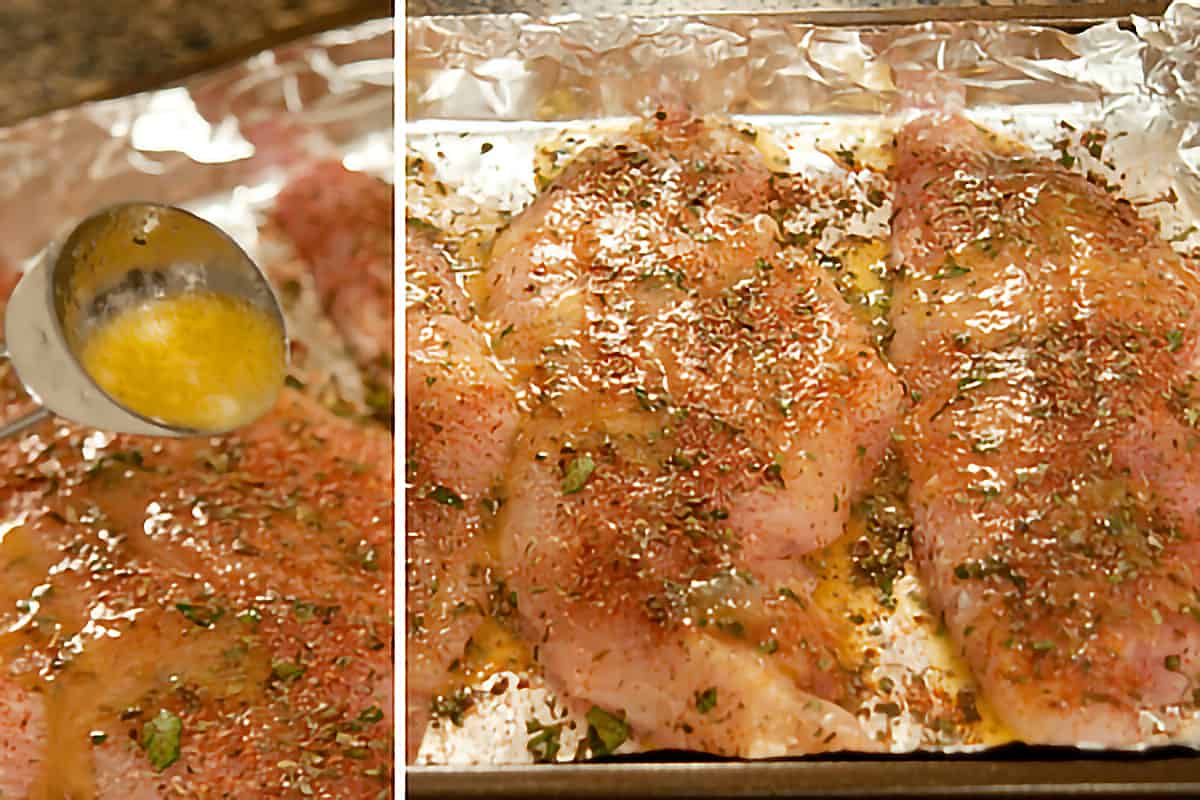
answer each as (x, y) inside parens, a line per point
(1010, 772)
(1070, 15)
(1007, 771)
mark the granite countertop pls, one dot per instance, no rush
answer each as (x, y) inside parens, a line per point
(56, 53)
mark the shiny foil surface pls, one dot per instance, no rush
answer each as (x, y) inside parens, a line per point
(495, 103)
(219, 144)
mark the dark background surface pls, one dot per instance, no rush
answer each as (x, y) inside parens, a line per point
(56, 53)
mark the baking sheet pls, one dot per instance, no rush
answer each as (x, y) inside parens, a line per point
(489, 97)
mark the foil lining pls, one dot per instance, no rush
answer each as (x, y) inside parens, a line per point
(490, 98)
(219, 144)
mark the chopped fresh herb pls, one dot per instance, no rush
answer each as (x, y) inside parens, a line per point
(605, 732)
(204, 616)
(1174, 340)
(543, 743)
(768, 646)
(950, 269)
(285, 670)
(131, 457)
(790, 595)
(98, 737)
(707, 700)
(643, 398)
(732, 627)
(454, 706)
(371, 715)
(1171, 662)
(1043, 645)
(577, 474)
(446, 497)
(160, 740)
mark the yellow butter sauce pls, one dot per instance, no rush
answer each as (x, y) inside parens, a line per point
(199, 360)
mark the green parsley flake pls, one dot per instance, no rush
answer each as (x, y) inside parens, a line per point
(543, 743)
(605, 732)
(446, 497)
(203, 616)
(160, 739)
(286, 670)
(950, 270)
(371, 715)
(577, 474)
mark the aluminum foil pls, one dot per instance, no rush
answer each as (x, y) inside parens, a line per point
(488, 97)
(219, 144)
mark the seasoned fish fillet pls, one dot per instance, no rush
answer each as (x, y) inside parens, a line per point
(460, 417)
(22, 756)
(239, 585)
(342, 225)
(1050, 338)
(702, 410)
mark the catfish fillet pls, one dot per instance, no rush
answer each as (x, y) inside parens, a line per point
(703, 410)
(460, 419)
(1050, 337)
(206, 618)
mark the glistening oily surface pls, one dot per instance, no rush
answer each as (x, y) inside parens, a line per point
(213, 617)
(630, 600)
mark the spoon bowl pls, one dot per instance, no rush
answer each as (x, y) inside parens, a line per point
(112, 261)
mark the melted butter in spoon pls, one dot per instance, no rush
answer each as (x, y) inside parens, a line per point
(200, 360)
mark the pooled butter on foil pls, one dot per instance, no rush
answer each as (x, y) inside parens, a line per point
(495, 103)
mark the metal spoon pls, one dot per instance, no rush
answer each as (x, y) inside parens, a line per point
(143, 248)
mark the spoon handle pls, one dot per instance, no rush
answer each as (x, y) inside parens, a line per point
(21, 423)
